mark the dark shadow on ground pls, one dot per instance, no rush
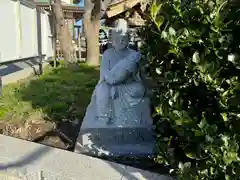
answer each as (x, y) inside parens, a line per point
(13, 67)
(63, 95)
(34, 156)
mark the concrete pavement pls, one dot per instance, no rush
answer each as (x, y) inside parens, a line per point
(30, 161)
(4, 176)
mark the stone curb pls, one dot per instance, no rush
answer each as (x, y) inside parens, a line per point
(22, 74)
(31, 161)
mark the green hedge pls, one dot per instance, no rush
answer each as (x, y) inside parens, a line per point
(192, 49)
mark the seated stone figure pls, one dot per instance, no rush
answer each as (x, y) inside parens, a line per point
(119, 103)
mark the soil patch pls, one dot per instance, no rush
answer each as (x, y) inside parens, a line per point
(62, 135)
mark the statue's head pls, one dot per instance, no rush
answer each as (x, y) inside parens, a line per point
(120, 36)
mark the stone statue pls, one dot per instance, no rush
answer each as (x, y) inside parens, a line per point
(119, 100)
(119, 97)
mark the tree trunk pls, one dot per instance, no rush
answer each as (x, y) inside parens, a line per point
(63, 33)
(91, 30)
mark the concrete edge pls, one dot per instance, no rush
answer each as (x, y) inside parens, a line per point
(22, 74)
(34, 161)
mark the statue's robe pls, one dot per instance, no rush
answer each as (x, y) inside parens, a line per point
(119, 95)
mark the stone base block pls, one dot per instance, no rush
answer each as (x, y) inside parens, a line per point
(116, 141)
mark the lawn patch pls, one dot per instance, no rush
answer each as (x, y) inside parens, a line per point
(60, 95)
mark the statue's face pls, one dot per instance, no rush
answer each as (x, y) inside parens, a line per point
(120, 40)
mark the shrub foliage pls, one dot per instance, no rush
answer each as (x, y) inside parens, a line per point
(192, 49)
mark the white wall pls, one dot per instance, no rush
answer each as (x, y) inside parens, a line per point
(44, 33)
(29, 31)
(19, 31)
(49, 42)
(66, 1)
(47, 47)
(8, 24)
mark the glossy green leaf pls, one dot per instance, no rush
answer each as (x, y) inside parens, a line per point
(172, 31)
(224, 116)
(159, 21)
(155, 8)
(198, 88)
(202, 124)
(196, 58)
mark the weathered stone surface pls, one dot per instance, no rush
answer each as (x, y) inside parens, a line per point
(116, 141)
(30, 161)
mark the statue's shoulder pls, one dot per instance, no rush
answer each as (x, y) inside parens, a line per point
(108, 52)
(132, 50)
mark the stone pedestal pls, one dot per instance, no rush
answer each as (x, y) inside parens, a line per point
(97, 139)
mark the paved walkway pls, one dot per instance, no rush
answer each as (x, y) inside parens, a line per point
(5, 176)
(31, 161)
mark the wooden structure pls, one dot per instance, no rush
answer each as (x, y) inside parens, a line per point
(72, 14)
(131, 10)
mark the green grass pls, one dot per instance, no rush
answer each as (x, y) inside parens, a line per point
(59, 94)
